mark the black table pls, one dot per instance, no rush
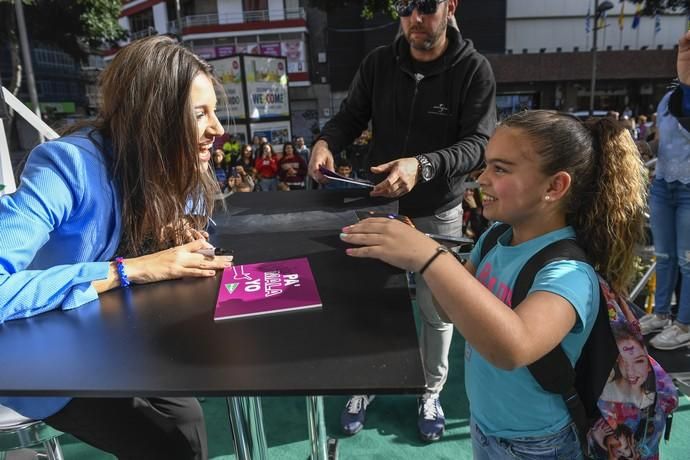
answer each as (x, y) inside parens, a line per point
(160, 339)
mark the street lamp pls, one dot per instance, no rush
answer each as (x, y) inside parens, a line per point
(599, 10)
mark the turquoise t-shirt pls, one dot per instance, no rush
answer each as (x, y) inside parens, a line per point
(511, 404)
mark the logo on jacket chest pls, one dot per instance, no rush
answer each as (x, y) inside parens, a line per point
(440, 110)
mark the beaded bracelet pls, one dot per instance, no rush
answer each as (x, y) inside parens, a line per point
(120, 264)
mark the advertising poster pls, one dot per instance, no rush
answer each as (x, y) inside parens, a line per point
(267, 87)
(277, 132)
(270, 49)
(225, 50)
(229, 73)
(205, 52)
(247, 48)
(294, 51)
(237, 130)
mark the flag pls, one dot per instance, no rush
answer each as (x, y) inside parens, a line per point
(602, 20)
(636, 18)
(621, 16)
(588, 18)
(657, 23)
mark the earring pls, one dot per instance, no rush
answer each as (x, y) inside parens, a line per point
(547, 197)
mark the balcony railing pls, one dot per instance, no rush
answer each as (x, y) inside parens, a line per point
(143, 33)
(239, 18)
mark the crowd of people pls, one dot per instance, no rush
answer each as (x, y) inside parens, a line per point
(260, 167)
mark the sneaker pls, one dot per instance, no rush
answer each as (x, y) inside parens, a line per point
(352, 417)
(431, 421)
(674, 336)
(654, 323)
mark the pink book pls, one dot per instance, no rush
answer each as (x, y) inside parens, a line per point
(266, 288)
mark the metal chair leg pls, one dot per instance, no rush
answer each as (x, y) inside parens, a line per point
(53, 450)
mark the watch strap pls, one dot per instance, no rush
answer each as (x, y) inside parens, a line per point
(422, 163)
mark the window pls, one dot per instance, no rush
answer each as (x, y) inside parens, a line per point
(255, 5)
(141, 21)
(255, 10)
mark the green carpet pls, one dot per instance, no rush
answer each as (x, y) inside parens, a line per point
(390, 431)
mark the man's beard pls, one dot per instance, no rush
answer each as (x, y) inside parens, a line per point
(431, 39)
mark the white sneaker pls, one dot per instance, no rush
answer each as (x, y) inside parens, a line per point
(654, 323)
(674, 336)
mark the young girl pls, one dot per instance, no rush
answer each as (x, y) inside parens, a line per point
(109, 205)
(292, 169)
(220, 169)
(267, 169)
(550, 177)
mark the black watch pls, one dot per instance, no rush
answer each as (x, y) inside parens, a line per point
(425, 168)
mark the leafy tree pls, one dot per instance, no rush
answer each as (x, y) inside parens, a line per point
(653, 6)
(73, 26)
(369, 7)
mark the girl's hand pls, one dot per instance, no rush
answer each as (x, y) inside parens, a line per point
(391, 241)
(174, 263)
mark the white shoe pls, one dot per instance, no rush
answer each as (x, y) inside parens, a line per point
(654, 323)
(674, 336)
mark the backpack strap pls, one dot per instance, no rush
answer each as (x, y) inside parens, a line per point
(491, 239)
(554, 371)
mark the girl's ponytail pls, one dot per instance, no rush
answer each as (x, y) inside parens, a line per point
(611, 222)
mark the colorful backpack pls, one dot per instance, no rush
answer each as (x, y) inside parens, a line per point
(618, 396)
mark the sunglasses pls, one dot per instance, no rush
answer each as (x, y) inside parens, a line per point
(404, 8)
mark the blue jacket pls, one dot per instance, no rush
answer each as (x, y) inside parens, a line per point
(57, 233)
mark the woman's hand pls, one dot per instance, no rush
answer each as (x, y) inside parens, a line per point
(391, 241)
(178, 262)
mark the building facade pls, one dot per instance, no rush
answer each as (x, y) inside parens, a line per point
(547, 60)
(540, 50)
(219, 28)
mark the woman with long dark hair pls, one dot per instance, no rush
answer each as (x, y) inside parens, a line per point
(123, 199)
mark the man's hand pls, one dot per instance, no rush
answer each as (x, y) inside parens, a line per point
(683, 62)
(402, 177)
(320, 156)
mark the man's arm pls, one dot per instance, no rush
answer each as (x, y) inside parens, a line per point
(476, 125)
(352, 118)
(355, 110)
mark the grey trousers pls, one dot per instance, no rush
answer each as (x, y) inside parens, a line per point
(436, 334)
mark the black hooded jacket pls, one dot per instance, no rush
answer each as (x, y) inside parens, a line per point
(445, 109)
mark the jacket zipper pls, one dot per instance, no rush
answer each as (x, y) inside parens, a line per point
(418, 77)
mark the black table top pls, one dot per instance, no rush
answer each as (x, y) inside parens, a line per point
(160, 339)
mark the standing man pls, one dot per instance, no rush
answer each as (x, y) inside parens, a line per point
(301, 149)
(430, 97)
